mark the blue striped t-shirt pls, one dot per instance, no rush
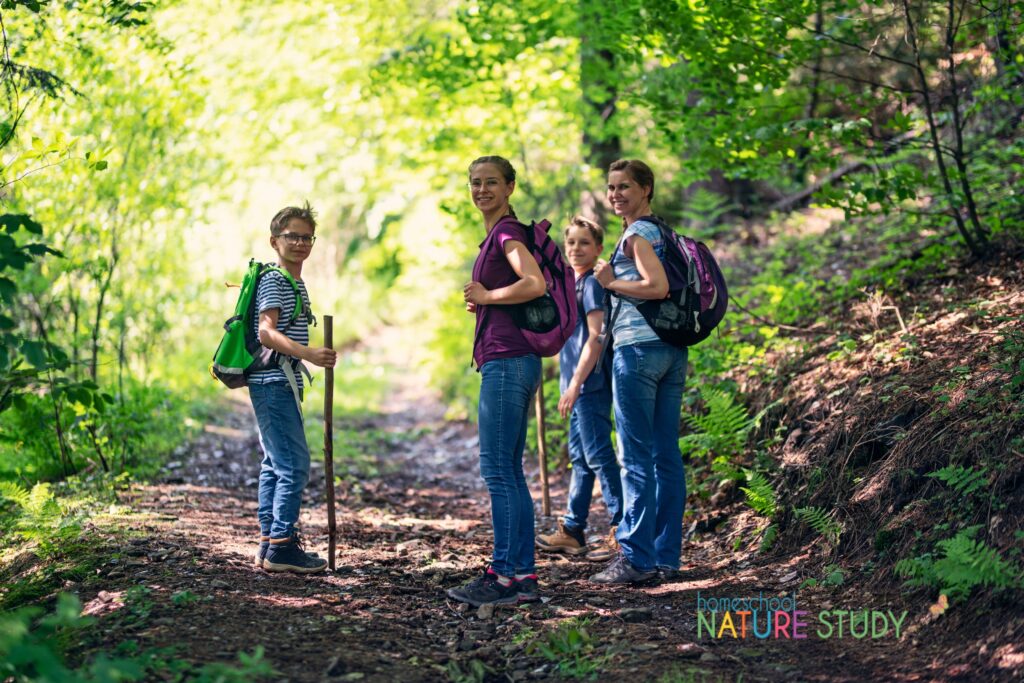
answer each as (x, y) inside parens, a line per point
(630, 326)
(274, 291)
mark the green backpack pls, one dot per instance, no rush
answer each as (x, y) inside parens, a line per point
(240, 352)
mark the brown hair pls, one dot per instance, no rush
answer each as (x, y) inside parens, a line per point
(596, 231)
(503, 164)
(286, 215)
(640, 172)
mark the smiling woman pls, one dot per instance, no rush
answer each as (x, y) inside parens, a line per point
(505, 273)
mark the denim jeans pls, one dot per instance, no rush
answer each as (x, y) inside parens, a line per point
(507, 385)
(285, 467)
(592, 457)
(648, 380)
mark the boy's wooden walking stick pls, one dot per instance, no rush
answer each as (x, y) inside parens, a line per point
(329, 442)
(542, 452)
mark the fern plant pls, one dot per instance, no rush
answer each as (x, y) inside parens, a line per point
(964, 563)
(723, 429)
(39, 517)
(760, 495)
(821, 521)
(771, 532)
(963, 480)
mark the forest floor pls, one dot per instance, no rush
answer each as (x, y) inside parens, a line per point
(418, 524)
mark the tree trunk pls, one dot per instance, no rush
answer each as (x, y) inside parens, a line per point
(601, 142)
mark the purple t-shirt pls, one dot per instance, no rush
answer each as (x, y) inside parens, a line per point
(500, 337)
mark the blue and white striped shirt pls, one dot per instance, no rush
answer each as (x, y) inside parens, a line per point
(274, 291)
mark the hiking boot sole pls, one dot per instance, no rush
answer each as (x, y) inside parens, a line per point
(274, 567)
(593, 556)
(562, 549)
(454, 594)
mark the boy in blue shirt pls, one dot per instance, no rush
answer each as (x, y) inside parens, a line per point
(587, 397)
(276, 393)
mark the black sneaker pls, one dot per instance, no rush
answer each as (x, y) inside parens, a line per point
(620, 571)
(528, 589)
(486, 590)
(287, 555)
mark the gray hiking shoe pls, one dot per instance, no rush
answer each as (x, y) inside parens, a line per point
(620, 571)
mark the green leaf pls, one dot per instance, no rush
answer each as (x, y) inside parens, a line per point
(7, 289)
(12, 221)
(35, 352)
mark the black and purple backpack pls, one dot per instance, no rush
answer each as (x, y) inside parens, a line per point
(697, 296)
(548, 321)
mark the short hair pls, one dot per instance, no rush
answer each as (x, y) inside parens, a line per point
(289, 213)
(640, 172)
(503, 164)
(596, 231)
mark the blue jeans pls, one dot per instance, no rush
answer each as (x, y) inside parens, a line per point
(507, 385)
(648, 380)
(285, 467)
(592, 456)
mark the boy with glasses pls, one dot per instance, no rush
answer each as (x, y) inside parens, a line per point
(276, 393)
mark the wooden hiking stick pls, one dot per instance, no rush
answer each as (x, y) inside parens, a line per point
(329, 443)
(542, 451)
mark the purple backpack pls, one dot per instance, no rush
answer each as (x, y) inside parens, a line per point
(697, 297)
(548, 321)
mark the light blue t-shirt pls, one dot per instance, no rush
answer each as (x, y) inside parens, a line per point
(589, 298)
(630, 327)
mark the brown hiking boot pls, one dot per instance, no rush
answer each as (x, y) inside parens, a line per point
(606, 550)
(565, 540)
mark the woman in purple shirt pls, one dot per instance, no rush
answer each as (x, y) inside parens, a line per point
(504, 273)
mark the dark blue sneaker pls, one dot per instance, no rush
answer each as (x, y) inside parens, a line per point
(486, 590)
(527, 588)
(287, 555)
(261, 554)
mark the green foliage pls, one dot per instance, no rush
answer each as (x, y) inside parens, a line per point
(963, 480)
(768, 537)
(184, 597)
(571, 648)
(962, 563)
(760, 494)
(821, 521)
(834, 576)
(473, 671)
(723, 430)
(30, 653)
(39, 517)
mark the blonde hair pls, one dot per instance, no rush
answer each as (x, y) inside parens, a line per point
(596, 231)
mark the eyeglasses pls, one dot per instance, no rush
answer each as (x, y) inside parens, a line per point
(295, 238)
(490, 184)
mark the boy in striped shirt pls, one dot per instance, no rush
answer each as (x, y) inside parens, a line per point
(276, 393)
